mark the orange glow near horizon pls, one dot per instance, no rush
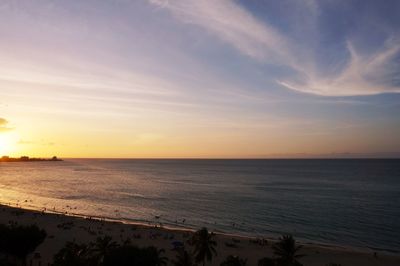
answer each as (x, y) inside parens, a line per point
(7, 144)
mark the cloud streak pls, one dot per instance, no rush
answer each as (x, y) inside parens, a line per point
(233, 25)
(364, 74)
(4, 125)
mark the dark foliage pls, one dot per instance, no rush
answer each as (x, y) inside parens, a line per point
(75, 254)
(5, 262)
(107, 252)
(287, 251)
(131, 255)
(20, 241)
(234, 261)
(183, 258)
(204, 245)
(102, 247)
(266, 262)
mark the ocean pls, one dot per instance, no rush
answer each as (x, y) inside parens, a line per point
(347, 202)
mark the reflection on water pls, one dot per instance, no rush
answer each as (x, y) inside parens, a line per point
(350, 202)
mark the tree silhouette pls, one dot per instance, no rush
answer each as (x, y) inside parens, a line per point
(204, 245)
(75, 254)
(157, 256)
(103, 247)
(266, 262)
(286, 250)
(19, 241)
(234, 261)
(183, 258)
(125, 255)
(128, 255)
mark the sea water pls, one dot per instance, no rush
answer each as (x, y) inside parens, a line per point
(343, 202)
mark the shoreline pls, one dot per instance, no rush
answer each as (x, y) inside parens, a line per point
(182, 228)
(87, 228)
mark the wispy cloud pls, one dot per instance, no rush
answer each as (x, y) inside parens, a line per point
(4, 125)
(105, 85)
(31, 142)
(25, 142)
(364, 74)
(233, 24)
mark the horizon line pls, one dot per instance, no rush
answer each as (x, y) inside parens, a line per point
(344, 155)
(231, 158)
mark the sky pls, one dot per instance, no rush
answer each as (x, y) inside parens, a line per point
(200, 79)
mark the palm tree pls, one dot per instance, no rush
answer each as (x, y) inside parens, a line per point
(267, 262)
(128, 255)
(74, 254)
(183, 258)
(286, 250)
(103, 246)
(234, 261)
(204, 245)
(156, 255)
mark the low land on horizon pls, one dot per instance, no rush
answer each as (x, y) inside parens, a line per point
(28, 159)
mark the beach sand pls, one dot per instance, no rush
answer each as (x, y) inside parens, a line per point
(61, 228)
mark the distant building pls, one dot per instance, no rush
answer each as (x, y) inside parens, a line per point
(24, 158)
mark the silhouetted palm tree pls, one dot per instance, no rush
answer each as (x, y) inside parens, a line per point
(204, 245)
(102, 247)
(286, 250)
(234, 261)
(74, 254)
(128, 255)
(266, 262)
(183, 258)
(157, 256)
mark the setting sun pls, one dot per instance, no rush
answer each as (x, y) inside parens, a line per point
(7, 144)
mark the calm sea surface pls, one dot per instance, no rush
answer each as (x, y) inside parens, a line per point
(346, 202)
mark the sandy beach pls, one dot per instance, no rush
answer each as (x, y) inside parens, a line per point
(61, 228)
